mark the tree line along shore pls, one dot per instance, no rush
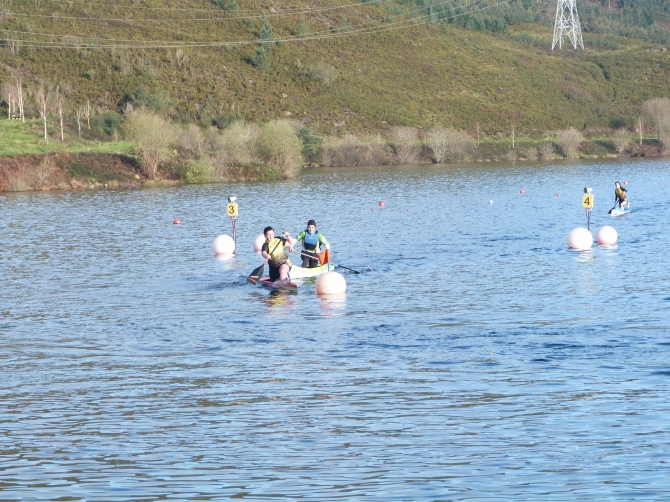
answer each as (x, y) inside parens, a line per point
(57, 153)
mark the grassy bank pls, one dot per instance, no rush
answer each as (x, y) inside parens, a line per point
(194, 156)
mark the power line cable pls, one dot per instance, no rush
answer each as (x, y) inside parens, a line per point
(362, 31)
(244, 42)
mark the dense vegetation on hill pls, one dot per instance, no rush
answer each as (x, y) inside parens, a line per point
(337, 68)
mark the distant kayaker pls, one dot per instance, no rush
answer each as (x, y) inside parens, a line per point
(273, 252)
(312, 240)
(620, 195)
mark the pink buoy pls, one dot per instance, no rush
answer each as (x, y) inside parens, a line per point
(606, 236)
(558, 195)
(522, 191)
(224, 244)
(382, 203)
(331, 283)
(258, 242)
(625, 182)
(177, 221)
(580, 239)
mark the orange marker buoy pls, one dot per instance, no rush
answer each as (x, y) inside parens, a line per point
(522, 191)
(177, 221)
(382, 203)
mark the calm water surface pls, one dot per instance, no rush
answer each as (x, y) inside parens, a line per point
(476, 358)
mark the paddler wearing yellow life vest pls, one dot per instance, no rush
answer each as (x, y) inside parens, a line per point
(273, 252)
(620, 195)
(312, 240)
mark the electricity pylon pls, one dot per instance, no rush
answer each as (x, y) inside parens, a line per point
(567, 25)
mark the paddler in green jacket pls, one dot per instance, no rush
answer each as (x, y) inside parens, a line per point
(620, 194)
(312, 240)
(273, 252)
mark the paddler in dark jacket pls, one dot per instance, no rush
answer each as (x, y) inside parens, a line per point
(620, 194)
(311, 239)
(273, 252)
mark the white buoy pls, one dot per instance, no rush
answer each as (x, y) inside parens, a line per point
(258, 242)
(490, 202)
(331, 283)
(606, 236)
(224, 244)
(580, 239)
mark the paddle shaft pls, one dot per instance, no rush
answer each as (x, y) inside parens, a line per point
(340, 266)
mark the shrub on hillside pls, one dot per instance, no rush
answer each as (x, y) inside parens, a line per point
(449, 144)
(107, 123)
(200, 171)
(405, 144)
(569, 141)
(320, 71)
(235, 145)
(620, 139)
(192, 140)
(657, 113)
(279, 146)
(152, 136)
(350, 151)
(547, 150)
(159, 100)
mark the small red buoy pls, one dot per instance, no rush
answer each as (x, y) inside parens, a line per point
(382, 203)
(177, 221)
(558, 195)
(522, 191)
(625, 183)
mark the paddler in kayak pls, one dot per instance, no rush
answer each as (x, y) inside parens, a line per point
(312, 240)
(273, 252)
(620, 195)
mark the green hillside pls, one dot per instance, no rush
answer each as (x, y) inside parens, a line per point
(363, 68)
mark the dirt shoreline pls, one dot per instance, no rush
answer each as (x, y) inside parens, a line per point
(82, 171)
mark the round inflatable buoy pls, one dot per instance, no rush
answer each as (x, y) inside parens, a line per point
(606, 236)
(558, 195)
(522, 191)
(177, 221)
(258, 242)
(625, 182)
(490, 202)
(382, 203)
(580, 239)
(331, 283)
(224, 244)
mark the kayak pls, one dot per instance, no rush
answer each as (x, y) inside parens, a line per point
(284, 286)
(616, 210)
(302, 273)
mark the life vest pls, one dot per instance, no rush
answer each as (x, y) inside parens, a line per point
(620, 193)
(275, 248)
(311, 241)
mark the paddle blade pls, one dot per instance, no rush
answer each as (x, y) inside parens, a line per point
(324, 257)
(256, 275)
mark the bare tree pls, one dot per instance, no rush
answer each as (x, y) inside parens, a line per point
(657, 112)
(43, 100)
(20, 100)
(569, 141)
(448, 144)
(152, 135)
(79, 112)
(640, 128)
(60, 105)
(478, 133)
(620, 139)
(86, 111)
(405, 144)
(513, 135)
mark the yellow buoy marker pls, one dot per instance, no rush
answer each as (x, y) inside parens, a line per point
(580, 239)
(606, 236)
(331, 283)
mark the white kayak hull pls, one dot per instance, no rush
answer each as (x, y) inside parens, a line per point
(303, 273)
(616, 211)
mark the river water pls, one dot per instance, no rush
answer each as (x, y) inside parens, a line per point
(475, 358)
